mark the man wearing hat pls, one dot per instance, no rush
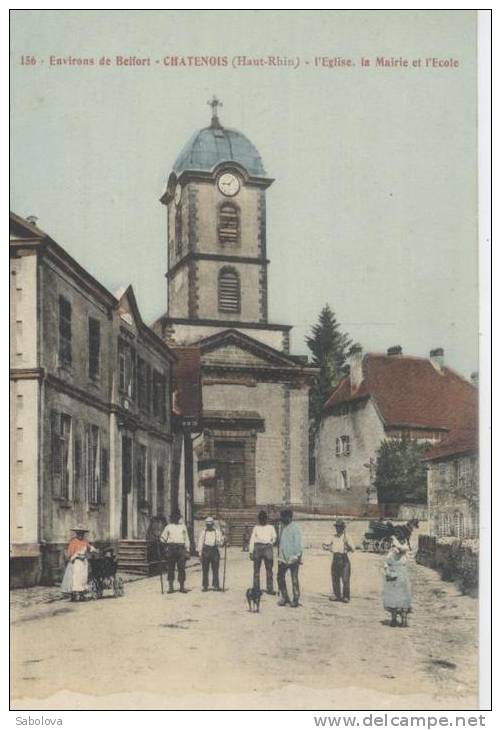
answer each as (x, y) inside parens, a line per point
(340, 546)
(177, 545)
(211, 538)
(76, 574)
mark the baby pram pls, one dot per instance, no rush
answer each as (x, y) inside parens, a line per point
(103, 576)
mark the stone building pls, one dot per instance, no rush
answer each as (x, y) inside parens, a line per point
(91, 436)
(254, 422)
(388, 396)
(453, 488)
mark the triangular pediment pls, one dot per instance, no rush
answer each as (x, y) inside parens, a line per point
(128, 310)
(232, 347)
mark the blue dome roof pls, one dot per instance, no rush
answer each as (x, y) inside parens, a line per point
(210, 146)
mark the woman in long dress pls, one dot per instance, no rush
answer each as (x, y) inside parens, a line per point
(76, 575)
(396, 585)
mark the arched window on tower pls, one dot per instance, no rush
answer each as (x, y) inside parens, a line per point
(179, 232)
(229, 225)
(228, 290)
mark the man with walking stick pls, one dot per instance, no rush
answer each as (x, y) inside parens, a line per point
(209, 542)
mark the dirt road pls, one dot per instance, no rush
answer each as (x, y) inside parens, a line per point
(205, 650)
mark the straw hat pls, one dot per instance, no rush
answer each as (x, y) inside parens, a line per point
(79, 528)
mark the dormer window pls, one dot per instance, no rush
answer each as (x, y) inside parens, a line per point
(229, 225)
(228, 290)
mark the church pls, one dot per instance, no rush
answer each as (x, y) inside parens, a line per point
(250, 437)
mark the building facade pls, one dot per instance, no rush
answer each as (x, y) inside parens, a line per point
(254, 420)
(388, 396)
(91, 436)
(453, 486)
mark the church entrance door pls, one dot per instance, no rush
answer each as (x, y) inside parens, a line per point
(230, 461)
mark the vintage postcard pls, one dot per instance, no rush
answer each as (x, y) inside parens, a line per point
(244, 361)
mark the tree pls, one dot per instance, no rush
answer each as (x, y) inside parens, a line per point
(329, 347)
(401, 472)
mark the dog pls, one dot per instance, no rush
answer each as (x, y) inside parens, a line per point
(253, 597)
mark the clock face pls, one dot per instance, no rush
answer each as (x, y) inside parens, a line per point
(228, 184)
(177, 194)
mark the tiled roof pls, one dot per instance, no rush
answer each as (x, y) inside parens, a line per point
(411, 391)
(187, 399)
(460, 441)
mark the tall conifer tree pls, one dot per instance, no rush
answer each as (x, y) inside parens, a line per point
(329, 347)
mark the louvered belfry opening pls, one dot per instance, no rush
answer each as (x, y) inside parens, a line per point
(229, 226)
(229, 291)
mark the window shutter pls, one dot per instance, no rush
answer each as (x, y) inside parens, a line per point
(229, 224)
(94, 347)
(148, 489)
(338, 446)
(56, 463)
(160, 490)
(66, 467)
(104, 466)
(229, 291)
(77, 467)
(64, 331)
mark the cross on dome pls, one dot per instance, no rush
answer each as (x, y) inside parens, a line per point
(214, 103)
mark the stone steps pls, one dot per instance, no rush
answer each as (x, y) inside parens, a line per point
(134, 556)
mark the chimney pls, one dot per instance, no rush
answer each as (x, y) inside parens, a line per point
(32, 219)
(395, 350)
(437, 357)
(474, 379)
(356, 374)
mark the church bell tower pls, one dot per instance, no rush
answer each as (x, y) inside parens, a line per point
(216, 230)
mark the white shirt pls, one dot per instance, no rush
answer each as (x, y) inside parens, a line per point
(340, 544)
(264, 534)
(176, 534)
(211, 538)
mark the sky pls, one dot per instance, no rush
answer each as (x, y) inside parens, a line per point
(373, 209)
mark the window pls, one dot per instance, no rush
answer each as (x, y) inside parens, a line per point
(229, 224)
(159, 396)
(127, 369)
(94, 347)
(61, 455)
(343, 446)
(64, 331)
(228, 291)
(92, 472)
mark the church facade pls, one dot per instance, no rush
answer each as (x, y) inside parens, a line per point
(251, 441)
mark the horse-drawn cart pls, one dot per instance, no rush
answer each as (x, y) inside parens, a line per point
(103, 574)
(378, 538)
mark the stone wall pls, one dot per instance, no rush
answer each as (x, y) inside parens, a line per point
(453, 497)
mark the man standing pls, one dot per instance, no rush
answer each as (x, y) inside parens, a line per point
(340, 546)
(261, 543)
(211, 538)
(177, 541)
(290, 550)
